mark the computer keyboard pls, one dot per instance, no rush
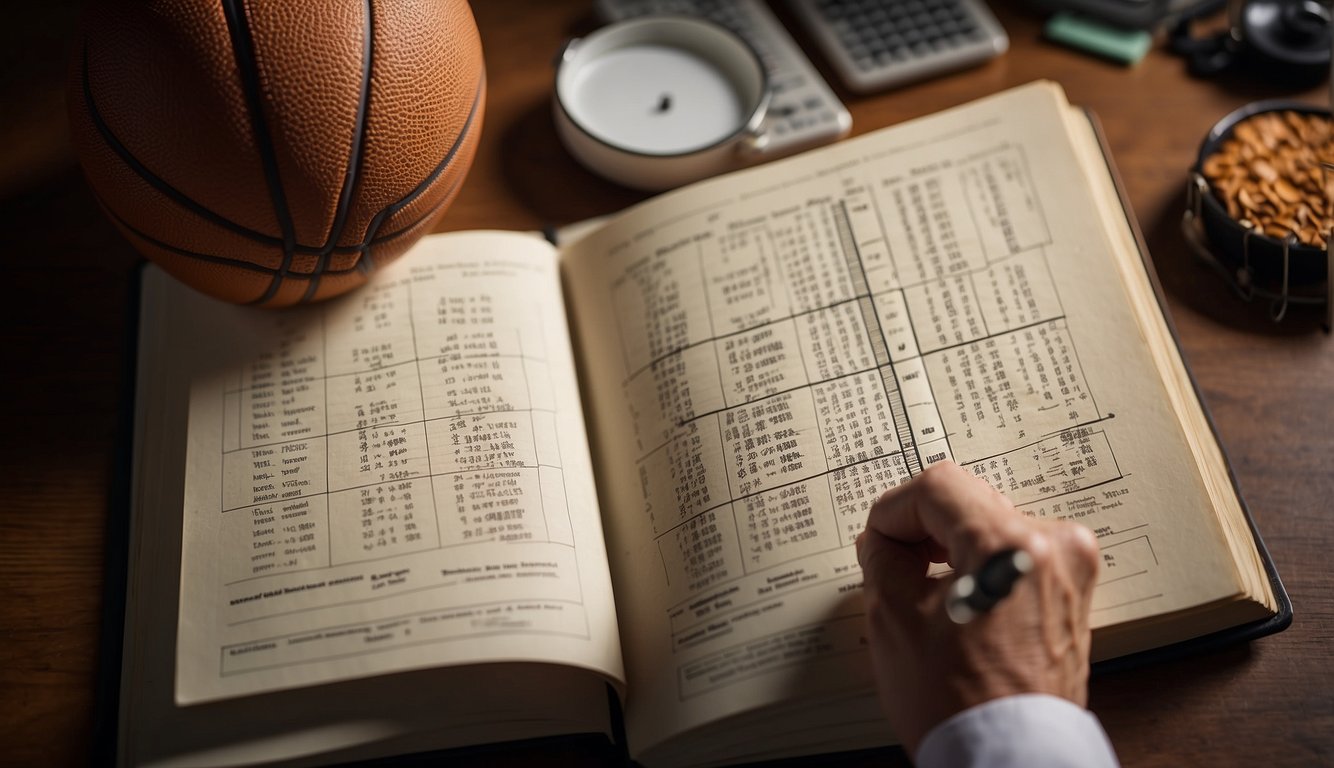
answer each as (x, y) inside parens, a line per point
(878, 44)
(803, 109)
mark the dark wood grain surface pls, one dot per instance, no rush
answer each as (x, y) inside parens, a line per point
(1270, 387)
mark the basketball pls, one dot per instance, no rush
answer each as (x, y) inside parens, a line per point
(274, 152)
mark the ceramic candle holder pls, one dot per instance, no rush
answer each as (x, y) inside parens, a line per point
(657, 102)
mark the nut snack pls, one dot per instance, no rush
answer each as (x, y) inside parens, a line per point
(1269, 173)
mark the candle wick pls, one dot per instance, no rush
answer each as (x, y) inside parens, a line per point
(664, 103)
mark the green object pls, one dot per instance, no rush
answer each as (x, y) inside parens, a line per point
(1126, 46)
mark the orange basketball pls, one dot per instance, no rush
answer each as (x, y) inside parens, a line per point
(275, 152)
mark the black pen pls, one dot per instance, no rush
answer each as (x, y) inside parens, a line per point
(976, 593)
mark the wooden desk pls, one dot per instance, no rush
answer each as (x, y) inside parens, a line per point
(1271, 388)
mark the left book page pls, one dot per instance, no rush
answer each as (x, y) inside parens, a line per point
(394, 480)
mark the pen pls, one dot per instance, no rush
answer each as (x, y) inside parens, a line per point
(976, 593)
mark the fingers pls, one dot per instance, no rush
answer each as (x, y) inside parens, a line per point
(1065, 573)
(892, 569)
(1077, 549)
(1037, 640)
(958, 516)
(945, 514)
(1069, 550)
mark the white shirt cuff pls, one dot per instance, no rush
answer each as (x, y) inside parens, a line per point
(1033, 729)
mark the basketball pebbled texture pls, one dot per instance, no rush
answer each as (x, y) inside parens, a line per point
(275, 152)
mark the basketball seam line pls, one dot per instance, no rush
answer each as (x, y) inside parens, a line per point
(247, 67)
(364, 265)
(354, 158)
(426, 183)
(249, 265)
(175, 195)
(208, 257)
(141, 170)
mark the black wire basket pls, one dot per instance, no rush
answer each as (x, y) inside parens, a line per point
(1285, 272)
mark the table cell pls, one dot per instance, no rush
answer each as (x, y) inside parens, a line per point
(1018, 291)
(855, 488)
(375, 329)
(485, 441)
(896, 325)
(771, 442)
(701, 552)
(490, 505)
(812, 259)
(742, 280)
(382, 520)
(556, 506)
(685, 476)
(761, 362)
(386, 453)
(1004, 204)
(786, 523)
(388, 395)
(673, 391)
(945, 312)
(662, 305)
(276, 472)
(1010, 389)
(471, 385)
(273, 538)
(855, 419)
(834, 342)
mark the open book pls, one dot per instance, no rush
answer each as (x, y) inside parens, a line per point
(453, 506)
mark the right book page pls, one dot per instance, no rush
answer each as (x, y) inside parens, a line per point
(764, 354)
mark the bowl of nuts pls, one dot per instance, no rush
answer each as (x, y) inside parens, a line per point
(1261, 201)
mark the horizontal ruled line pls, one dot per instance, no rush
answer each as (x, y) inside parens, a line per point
(771, 488)
(1128, 602)
(368, 560)
(396, 646)
(1025, 446)
(386, 424)
(988, 337)
(678, 350)
(409, 478)
(377, 369)
(717, 411)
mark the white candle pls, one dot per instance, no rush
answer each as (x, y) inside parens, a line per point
(656, 99)
(656, 102)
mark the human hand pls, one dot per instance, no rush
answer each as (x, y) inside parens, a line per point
(928, 668)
